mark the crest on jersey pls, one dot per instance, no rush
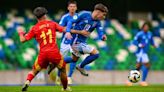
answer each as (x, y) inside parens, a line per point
(75, 17)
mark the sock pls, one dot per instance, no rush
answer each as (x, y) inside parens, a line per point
(30, 76)
(68, 60)
(144, 73)
(58, 73)
(64, 83)
(63, 78)
(138, 68)
(71, 69)
(88, 60)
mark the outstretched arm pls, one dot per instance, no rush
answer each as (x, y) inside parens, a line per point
(101, 33)
(82, 32)
(136, 41)
(25, 37)
(21, 34)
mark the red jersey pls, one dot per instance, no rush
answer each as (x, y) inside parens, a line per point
(45, 34)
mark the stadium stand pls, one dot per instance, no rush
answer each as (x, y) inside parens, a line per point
(116, 53)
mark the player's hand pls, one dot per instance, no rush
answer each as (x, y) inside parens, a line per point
(85, 33)
(141, 45)
(68, 35)
(21, 31)
(104, 38)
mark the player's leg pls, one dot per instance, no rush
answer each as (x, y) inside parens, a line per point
(145, 69)
(57, 59)
(64, 81)
(36, 69)
(94, 54)
(89, 59)
(72, 67)
(139, 61)
(30, 76)
(72, 60)
(137, 67)
(63, 76)
(65, 49)
(50, 68)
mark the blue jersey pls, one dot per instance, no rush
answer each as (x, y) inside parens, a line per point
(84, 21)
(143, 38)
(63, 22)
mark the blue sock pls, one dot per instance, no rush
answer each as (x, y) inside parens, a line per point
(68, 60)
(58, 73)
(144, 73)
(71, 69)
(88, 60)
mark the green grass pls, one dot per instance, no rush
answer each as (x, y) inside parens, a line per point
(86, 88)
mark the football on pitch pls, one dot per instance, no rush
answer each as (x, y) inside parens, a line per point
(134, 76)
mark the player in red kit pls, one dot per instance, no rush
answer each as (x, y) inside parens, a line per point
(45, 34)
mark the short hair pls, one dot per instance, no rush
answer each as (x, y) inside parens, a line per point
(101, 7)
(148, 24)
(39, 12)
(71, 2)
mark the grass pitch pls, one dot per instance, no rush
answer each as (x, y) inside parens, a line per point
(86, 88)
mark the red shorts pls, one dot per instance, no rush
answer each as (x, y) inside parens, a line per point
(44, 59)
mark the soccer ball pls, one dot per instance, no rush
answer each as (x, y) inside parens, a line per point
(134, 76)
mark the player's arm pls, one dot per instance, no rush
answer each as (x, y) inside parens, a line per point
(62, 22)
(21, 35)
(63, 29)
(25, 37)
(136, 40)
(69, 25)
(75, 19)
(100, 32)
(82, 32)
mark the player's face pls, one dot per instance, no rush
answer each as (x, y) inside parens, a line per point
(146, 28)
(72, 8)
(100, 15)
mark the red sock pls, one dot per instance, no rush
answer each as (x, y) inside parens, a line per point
(30, 76)
(64, 83)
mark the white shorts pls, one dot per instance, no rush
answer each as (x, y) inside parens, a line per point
(142, 57)
(81, 48)
(65, 49)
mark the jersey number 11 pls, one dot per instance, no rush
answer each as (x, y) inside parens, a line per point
(44, 35)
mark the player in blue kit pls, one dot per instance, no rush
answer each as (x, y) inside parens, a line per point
(88, 21)
(143, 40)
(65, 47)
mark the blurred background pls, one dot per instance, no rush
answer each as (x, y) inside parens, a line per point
(117, 55)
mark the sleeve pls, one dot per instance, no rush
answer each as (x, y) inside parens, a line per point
(30, 34)
(58, 27)
(71, 21)
(136, 38)
(99, 29)
(63, 21)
